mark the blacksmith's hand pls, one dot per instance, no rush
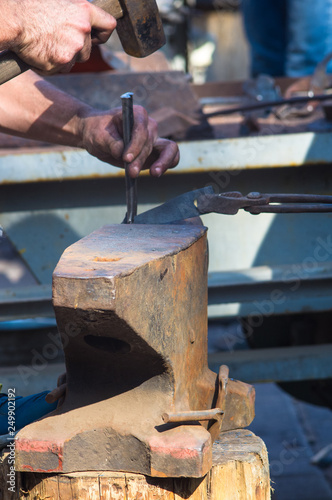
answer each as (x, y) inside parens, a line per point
(59, 393)
(51, 35)
(101, 134)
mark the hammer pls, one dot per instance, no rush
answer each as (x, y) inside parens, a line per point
(139, 28)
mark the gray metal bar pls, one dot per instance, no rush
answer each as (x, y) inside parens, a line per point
(279, 364)
(55, 163)
(249, 288)
(290, 289)
(26, 302)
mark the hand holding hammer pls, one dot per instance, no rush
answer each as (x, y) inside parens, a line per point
(138, 25)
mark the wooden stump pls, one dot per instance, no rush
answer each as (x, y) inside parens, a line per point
(240, 472)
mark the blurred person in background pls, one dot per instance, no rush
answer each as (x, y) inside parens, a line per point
(287, 37)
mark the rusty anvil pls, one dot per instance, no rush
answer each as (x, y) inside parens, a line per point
(131, 307)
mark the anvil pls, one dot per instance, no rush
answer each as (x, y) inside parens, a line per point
(131, 307)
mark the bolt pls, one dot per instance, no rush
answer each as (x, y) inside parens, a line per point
(254, 195)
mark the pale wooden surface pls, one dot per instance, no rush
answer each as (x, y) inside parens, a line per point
(240, 472)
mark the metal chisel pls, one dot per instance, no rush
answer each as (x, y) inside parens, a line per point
(131, 184)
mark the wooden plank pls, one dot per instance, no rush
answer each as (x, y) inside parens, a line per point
(38, 486)
(240, 468)
(112, 486)
(193, 488)
(65, 489)
(278, 364)
(84, 486)
(139, 487)
(240, 471)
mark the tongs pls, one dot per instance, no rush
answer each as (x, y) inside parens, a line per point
(256, 203)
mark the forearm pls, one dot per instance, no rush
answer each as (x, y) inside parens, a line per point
(32, 108)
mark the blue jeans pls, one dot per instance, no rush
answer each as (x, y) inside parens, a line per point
(287, 37)
(27, 410)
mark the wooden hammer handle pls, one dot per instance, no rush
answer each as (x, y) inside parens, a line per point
(11, 65)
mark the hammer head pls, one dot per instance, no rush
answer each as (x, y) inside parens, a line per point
(140, 29)
(139, 25)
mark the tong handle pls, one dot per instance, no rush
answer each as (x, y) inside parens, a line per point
(298, 198)
(290, 208)
(291, 203)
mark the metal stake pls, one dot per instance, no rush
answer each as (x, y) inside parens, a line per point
(131, 184)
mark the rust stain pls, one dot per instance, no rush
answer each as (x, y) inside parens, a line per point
(180, 453)
(106, 259)
(157, 473)
(41, 447)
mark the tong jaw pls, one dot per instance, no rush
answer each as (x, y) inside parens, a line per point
(229, 203)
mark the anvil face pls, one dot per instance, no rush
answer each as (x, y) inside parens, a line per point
(131, 308)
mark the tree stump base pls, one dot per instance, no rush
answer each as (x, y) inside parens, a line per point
(240, 471)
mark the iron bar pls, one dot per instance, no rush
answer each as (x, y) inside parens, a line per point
(270, 104)
(131, 184)
(192, 416)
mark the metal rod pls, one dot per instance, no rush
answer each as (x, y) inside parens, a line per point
(192, 416)
(297, 198)
(269, 104)
(289, 208)
(290, 203)
(131, 184)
